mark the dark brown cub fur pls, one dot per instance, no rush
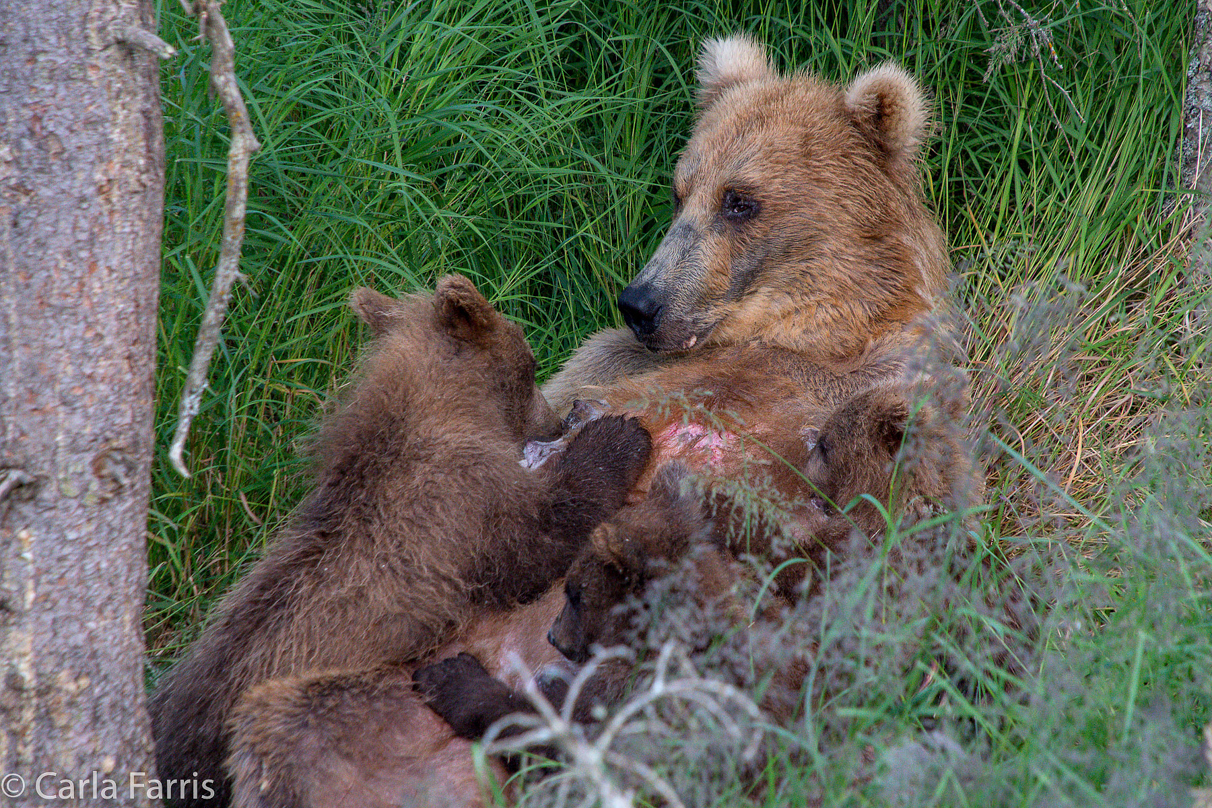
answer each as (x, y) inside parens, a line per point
(909, 454)
(666, 536)
(641, 542)
(420, 514)
(365, 738)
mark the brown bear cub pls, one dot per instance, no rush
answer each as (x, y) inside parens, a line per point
(639, 543)
(421, 515)
(625, 553)
(908, 452)
(798, 227)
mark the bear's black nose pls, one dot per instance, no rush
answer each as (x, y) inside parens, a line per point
(641, 309)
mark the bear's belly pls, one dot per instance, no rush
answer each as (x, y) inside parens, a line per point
(512, 644)
(696, 445)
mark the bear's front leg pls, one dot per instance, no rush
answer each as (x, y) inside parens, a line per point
(604, 359)
(596, 473)
(466, 696)
(582, 487)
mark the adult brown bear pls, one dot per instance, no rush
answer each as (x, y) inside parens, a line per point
(800, 243)
(801, 268)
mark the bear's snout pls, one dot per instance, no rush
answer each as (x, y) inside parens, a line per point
(566, 638)
(641, 308)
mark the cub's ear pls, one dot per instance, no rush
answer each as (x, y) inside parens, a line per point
(617, 548)
(725, 63)
(378, 311)
(891, 420)
(673, 486)
(889, 107)
(811, 436)
(462, 311)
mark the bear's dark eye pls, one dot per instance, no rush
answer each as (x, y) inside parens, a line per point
(738, 206)
(822, 446)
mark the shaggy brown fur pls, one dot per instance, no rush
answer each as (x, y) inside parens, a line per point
(907, 453)
(890, 428)
(746, 427)
(708, 408)
(798, 225)
(794, 491)
(801, 269)
(366, 738)
(641, 542)
(421, 515)
(669, 533)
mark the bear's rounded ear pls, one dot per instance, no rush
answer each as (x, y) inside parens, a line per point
(887, 105)
(462, 311)
(377, 310)
(811, 435)
(725, 63)
(614, 548)
(892, 420)
(675, 490)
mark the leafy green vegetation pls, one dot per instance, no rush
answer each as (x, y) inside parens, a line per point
(530, 146)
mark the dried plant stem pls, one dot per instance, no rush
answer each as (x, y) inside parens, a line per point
(243, 145)
(592, 759)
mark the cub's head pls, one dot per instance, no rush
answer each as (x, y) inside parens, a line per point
(886, 443)
(623, 554)
(797, 216)
(459, 340)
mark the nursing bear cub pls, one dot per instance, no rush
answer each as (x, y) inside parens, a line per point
(421, 517)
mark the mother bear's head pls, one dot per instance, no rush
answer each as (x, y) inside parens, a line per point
(798, 219)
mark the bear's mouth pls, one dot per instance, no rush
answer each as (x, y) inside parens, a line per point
(677, 336)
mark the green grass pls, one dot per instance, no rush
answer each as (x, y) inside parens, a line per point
(530, 146)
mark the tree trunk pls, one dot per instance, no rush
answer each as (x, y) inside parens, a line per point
(81, 202)
(1195, 156)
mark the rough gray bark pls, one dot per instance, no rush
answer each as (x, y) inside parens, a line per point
(81, 200)
(1196, 149)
